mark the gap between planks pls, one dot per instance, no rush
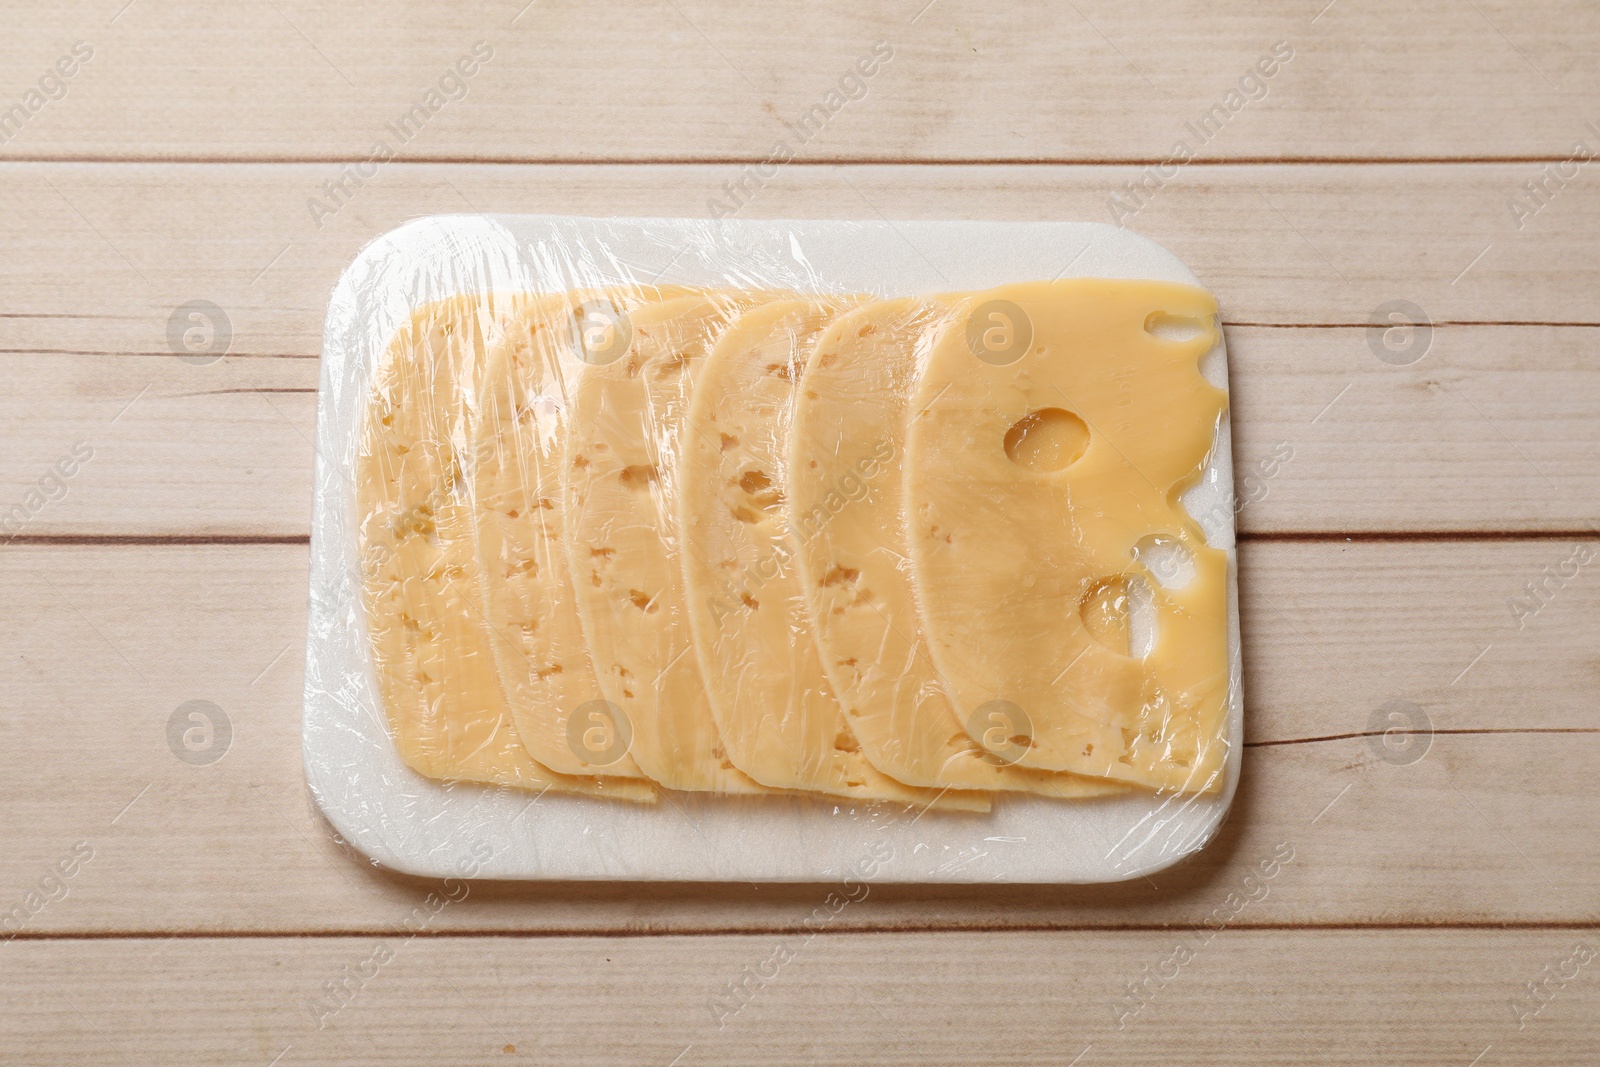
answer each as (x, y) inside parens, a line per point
(1571, 324)
(564, 933)
(1483, 731)
(1261, 537)
(178, 159)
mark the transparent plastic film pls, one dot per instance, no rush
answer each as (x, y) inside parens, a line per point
(518, 436)
(846, 469)
(428, 634)
(780, 719)
(668, 548)
(1052, 432)
(625, 440)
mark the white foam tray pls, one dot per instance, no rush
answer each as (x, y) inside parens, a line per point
(419, 826)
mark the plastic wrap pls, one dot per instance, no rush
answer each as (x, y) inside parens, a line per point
(692, 550)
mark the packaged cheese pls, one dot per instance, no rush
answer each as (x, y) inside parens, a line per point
(629, 419)
(764, 523)
(519, 441)
(863, 548)
(846, 468)
(1051, 433)
(429, 637)
(781, 722)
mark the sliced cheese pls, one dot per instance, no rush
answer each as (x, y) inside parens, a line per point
(543, 659)
(1052, 432)
(845, 505)
(780, 721)
(623, 443)
(425, 626)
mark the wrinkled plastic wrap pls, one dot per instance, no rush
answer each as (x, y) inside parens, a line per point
(772, 550)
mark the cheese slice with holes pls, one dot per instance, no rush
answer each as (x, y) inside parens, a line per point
(845, 504)
(425, 625)
(623, 443)
(780, 721)
(1051, 433)
(537, 637)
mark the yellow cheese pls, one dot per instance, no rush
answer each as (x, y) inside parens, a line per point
(845, 505)
(544, 663)
(419, 572)
(623, 443)
(1051, 433)
(779, 719)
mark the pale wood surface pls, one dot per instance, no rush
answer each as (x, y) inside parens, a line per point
(1380, 563)
(1090, 80)
(1492, 431)
(104, 252)
(1506, 813)
(1269, 997)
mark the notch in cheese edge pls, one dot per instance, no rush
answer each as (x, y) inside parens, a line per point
(1003, 554)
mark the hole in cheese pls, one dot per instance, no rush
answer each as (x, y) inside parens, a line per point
(1141, 618)
(1047, 440)
(1176, 328)
(638, 477)
(1104, 609)
(1119, 612)
(759, 489)
(838, 575)
(1169, 562)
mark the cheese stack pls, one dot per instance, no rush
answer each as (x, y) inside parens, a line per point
(916, 550)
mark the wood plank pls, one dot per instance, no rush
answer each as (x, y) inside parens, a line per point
(1494, 430)
(101, 255)
(1473, 866)
(1260, 997)
(1088, 81)
(1489, 430)
(171, 447)
(105, 643)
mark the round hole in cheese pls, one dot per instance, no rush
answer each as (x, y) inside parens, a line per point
(845, 505)
(1004, 554)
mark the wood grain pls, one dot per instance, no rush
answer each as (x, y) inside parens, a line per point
(694, 79)
(1491, 430)
(1494, 430)
(101, 254)
(1486, 822)
(1260, 997)
(1380, 164)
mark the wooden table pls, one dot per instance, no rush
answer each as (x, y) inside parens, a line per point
(1434, 892)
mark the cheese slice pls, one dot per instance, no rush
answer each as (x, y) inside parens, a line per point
(425, 625)
(623, 443)
(845, 503)
(1051, 434)
(780, 721)
(543, 659)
